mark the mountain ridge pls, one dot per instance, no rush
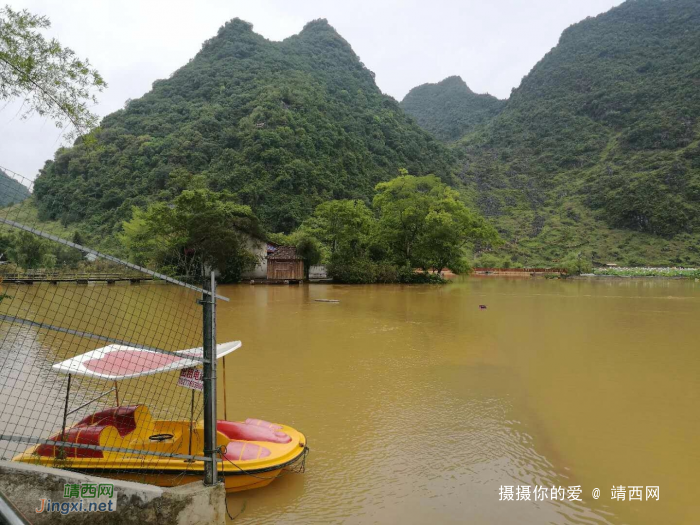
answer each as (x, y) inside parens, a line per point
(596, 152)
(598, 149)
(283, 126)
(449, 109)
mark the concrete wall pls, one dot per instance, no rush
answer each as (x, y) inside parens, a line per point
(318, 272)
(25, 485)
(259, 249)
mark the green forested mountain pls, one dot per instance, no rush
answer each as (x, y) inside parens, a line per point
(283, 125)
(449, 109)
(597, 152)
(598, 149)
(11, 191)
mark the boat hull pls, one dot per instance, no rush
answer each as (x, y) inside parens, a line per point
(128, 445)
(234, 480)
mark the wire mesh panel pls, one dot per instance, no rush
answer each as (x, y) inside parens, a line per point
(94, 354)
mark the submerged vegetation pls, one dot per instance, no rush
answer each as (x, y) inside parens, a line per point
(200, 228)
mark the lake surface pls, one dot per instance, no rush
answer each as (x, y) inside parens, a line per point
(418, 405)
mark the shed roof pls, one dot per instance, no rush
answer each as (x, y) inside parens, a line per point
(283, 253)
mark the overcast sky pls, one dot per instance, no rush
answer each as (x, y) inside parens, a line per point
(490, 44)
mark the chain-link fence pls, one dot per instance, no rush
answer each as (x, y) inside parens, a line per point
(99, 358)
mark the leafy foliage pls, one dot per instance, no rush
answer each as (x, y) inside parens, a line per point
(309, 249)
(601, 139)
(425, 223)
(27, 251)
(597, 151)
(417, 222)
(576, 264)
(693, 273)
(283, 126)
(345, 227)
(449, 109)
(49, 78)
(200, 228)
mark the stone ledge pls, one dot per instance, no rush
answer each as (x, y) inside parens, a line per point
(191, 504)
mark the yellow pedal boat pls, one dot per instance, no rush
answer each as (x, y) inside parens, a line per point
(125, 442)
(253, 453)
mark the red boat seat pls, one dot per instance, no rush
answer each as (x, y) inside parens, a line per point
(242, 451)
(234, 430)
(119, 421)
(262, 423)
(86, 435)
(124, 419)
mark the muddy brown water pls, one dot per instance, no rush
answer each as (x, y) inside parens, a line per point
(419, 406)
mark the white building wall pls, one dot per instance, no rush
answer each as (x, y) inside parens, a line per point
(318, 272)
(259, 249)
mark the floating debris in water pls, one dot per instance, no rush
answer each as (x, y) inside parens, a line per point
(482, 307)
(327, 300)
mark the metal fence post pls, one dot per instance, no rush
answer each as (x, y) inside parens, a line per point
(209, 345)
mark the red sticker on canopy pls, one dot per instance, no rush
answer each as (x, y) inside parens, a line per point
(129, 361)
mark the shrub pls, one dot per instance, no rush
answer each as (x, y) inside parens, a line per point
(576, 264)
(488, 260)
(424, 278)
(364, 271)
(386, 273)
(353, 271)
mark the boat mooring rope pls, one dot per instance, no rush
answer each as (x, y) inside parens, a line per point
(289, 469)
(239, 512)
(299, 470)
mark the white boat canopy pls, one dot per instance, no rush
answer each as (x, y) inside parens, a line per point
(116, 362)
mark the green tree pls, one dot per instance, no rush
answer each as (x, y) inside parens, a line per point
(49, 79)
(426, 223)
(78, 238)
(30, 251)
(343, 226)
(199, 228)
(577, 263)
(309, 249)
(6, 245)
(448, 231)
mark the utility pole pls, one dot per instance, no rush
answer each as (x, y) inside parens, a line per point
(209, 346)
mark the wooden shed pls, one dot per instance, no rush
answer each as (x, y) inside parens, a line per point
(283, 263)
